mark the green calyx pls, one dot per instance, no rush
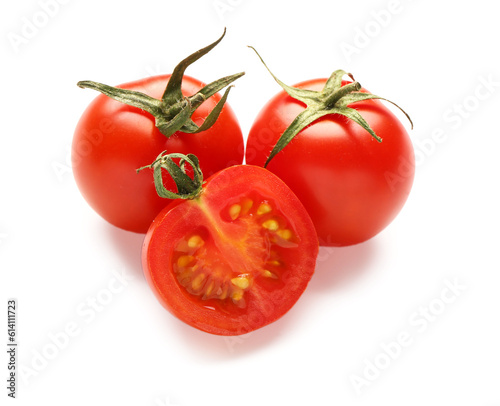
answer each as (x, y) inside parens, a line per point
(187, 187)
(173, 112)
(332, 99)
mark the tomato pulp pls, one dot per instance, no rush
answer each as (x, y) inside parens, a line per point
(234, 259)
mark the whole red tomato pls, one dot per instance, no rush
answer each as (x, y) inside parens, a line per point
(113, 139)
(234, 256)
(351, 185)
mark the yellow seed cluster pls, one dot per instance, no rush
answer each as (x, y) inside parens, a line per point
(214, 283)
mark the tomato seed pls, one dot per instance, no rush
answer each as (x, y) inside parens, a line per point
(246, 205)
(209, 289)
(198, 281)
(269, 274)
(285, 234)
(185, 260)
(237, 295)
(195, 242)
(271, 225)
(241, 282)
(264, 208)
(234, 211)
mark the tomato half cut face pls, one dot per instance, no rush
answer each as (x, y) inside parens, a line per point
(234, 259)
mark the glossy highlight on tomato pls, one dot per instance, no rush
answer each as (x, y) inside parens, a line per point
(351, 185)
(234, 259)
(112, 140)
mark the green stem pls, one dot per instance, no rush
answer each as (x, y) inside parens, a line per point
(174, 111)
(332, 99)
(337, 94)
(187, 187)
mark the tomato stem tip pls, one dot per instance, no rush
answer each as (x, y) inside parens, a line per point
(173, 112)
(334, 98)
(187, 187)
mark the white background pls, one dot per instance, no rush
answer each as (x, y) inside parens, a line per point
(56, 255)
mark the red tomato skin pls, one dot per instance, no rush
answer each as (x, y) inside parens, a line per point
(177, 218)
(351, 185)
(112, 140)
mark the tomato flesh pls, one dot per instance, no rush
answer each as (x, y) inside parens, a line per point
(234, 259)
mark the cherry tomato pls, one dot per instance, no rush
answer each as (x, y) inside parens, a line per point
(235, 258)
(112, 140)
(130, 124)
(351, 185)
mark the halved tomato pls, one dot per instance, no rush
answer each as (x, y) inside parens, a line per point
(236, 257)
